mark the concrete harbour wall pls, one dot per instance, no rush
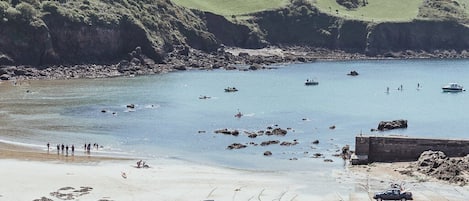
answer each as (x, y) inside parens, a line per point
(397, 148)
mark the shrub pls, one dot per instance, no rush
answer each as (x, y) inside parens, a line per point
(50, 6)
(3, 8)
(27, 11)
(12, 13)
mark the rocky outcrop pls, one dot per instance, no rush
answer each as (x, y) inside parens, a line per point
(227, 132)
(389, 125)
(436, 164)
(236, 146)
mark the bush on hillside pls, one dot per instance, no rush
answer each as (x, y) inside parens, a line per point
(352, 4)
(50, 7)
(27, 11)
(3, 8)
(442, 9)
(12, 14)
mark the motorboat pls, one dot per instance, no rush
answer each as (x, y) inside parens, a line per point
(453, 87)
(311, 82)
(231, 89)
(353, 73)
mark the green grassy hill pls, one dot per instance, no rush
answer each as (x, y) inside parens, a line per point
(374, 10)
(232, 7)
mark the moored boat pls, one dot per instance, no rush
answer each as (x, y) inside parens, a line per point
(453, 87)
(231, 89)
(311, 82)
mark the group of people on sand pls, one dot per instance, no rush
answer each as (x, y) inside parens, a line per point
(141, 164)
(87, 147)
(65, 148)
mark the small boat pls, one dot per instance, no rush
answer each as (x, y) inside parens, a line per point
(204, 97)
(353, 73)
(453, 87)
(311, 82)
(231, 89)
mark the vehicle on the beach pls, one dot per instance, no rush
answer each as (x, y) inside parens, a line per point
(231, 89)
(311, 82)
(453, 87)
(393, 194)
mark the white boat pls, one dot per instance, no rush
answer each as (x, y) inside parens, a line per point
(231, 89)
(453, 87)
(311, 82)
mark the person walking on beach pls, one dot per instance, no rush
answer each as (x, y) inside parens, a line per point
(66, 148)
(63, 147)
(48, 146)
(88, 148)
(58, 149)
(73, 149)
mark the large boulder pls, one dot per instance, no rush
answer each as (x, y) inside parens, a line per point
(389, 125)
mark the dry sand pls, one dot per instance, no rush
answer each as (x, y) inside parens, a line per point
(29, 174)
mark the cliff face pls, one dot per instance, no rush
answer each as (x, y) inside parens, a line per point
(418, 35)
(20, 41)
(230, 34)
(76, 42)
(97, 32)
(312, 28)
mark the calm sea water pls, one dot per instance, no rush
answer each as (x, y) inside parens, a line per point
(169, 119)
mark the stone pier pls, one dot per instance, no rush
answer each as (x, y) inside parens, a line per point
(370, 149)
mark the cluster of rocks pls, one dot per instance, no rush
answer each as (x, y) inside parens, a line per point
(389, 125)
(436, 164)
(271, 131)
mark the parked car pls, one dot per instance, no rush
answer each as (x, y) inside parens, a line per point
(393, 194)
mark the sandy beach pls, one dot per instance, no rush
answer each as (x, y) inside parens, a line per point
(31, 174)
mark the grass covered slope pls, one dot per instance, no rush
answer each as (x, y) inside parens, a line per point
(368, 10)
(374, 10)
(232, 7)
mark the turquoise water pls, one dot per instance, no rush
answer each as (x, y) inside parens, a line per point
(170, 120)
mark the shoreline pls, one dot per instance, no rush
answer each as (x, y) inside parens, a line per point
(228, 58)
(24, 153)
